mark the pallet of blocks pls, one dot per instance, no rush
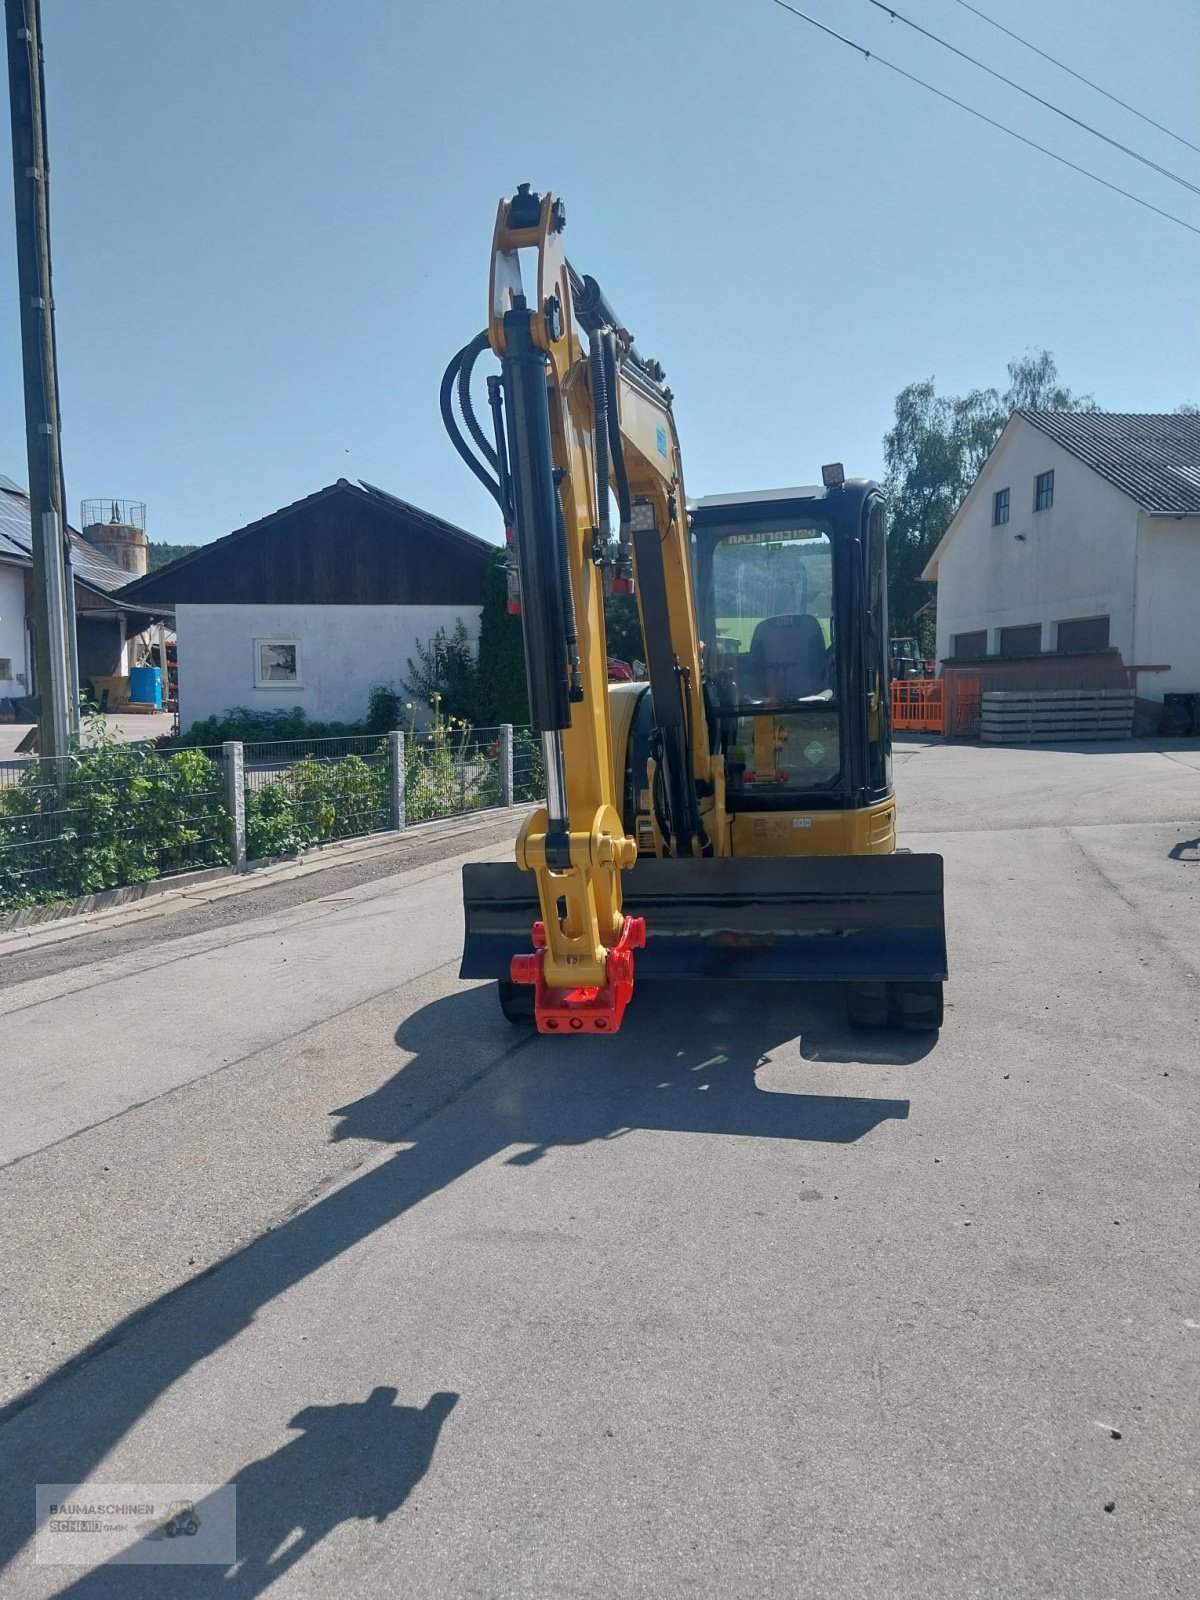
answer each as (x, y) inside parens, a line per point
(1044, 716)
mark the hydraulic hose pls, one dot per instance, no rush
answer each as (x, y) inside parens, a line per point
(658, 794)
(455, 432)
(495, 386)
(466, 366)
(696, 826)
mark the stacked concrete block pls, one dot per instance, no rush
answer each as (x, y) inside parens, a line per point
(1044, 716)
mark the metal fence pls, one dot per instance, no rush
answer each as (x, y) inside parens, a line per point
(301, 792)
(529, 770)
(304, 792)
(449, 771)
(107, 818)
(126, 814)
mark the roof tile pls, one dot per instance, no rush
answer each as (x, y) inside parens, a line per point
(1154, 458)
(16, 539)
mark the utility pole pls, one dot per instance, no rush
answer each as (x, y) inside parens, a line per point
(53, 608)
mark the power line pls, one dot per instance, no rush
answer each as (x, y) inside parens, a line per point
(1116, 100)
(898, 16)
(870, 55)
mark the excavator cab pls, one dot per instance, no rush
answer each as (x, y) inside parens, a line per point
(789, 590)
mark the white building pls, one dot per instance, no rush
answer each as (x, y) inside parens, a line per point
(108, 630)
(316, 604)
(1081, 535)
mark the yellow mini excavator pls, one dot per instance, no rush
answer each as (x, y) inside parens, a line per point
(734, 816)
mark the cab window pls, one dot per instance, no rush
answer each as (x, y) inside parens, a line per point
(772, 617)
(772, 658)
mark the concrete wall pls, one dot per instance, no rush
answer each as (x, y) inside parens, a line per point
(1168, 598)
(1076, 559)
(344, 652)
(12, 629)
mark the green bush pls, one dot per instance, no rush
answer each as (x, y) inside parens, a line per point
(448, 771)
(273, 825)
(385, 709)
(445, 674)
(484, 686)
(316, 801)
(253, 727)
(529, 769)
(106, 817)
(500, 663)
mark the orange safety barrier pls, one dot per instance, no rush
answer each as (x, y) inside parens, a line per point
(965, 707)
(921, 705)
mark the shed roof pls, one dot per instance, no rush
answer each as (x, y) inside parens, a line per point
(1153, 457)
(91, 567)
(276, 553)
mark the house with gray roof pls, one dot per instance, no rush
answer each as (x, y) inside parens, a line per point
(108, 627)
(1074, 558)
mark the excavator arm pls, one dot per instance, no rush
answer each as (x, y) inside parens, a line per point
(571, 423)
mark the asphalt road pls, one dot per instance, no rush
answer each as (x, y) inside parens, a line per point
(736, 1303)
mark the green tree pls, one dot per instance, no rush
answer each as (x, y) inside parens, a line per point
(623, 628)
(446, 670)
(933, 452)
(1033, 385)
(503, 695)
(162, 555)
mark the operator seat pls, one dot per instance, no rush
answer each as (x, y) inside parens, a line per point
(787, 658)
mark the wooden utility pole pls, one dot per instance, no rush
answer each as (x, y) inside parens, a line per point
(53, 609)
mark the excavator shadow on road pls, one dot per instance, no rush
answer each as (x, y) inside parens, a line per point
(472, 1089)
(685, 1068)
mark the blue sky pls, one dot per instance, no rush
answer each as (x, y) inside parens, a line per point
(272, 219)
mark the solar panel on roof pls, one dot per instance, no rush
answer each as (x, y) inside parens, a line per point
(89, 564)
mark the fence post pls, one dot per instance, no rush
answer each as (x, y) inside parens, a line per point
(506, 763)
(397, 770)
(234, 764)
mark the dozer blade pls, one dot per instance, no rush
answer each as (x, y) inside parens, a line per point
(842, 919)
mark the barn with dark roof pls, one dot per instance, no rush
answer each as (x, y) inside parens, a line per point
(316, 604)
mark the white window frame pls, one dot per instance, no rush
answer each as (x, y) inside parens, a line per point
(6, 671)
(278, 683)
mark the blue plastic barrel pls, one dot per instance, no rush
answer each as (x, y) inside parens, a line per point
(145, 686)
